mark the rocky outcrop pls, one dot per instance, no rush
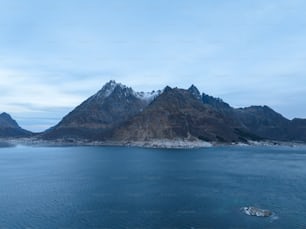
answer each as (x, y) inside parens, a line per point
(193, 90)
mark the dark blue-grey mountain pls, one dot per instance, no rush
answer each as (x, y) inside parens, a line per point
(180, 114)
(10, 128)
(96, 117)
(262, 121)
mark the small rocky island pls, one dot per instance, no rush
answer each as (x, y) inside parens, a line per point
(253, 211)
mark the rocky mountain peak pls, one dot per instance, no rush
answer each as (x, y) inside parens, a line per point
(195, 92)
(10, 128)
(5, 115)
(7, 121)
(114, 104)
(108, 89)
(120, 90)
(167, 89)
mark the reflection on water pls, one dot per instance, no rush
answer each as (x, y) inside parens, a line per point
(5, 144)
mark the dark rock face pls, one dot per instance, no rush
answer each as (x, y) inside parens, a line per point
(178, 114)
(229, 112)
(217, 103)
(260, 122)
(297, 130)
(98, 115)
(10, 128)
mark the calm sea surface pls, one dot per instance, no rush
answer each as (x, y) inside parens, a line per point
(119, 187)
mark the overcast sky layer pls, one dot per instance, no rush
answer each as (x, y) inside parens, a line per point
(54, 54)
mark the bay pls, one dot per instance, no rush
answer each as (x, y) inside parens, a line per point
(126, 187)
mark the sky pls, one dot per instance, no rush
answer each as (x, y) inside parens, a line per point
(56, 53)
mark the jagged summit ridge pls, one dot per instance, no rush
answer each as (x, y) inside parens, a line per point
(108, 88)
(112, 86)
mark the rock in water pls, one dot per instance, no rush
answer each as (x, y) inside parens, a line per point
(253, 211)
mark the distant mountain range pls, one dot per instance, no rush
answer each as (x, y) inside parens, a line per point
(117, 113)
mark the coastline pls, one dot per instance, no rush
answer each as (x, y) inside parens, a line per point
(156, 143)
(161, 143)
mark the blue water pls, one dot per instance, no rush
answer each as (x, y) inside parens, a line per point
(118, 187)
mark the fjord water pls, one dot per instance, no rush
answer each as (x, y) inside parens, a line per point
(120, 187)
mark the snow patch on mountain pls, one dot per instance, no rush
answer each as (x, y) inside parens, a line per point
(147, 96)
(108, 89)
(111, 86)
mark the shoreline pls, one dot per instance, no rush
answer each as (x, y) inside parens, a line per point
(162, 144)
(155, 144)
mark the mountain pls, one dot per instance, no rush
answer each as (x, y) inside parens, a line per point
(264, 122)
(179, 114)
(118, 113)
(229, 112)
(10, 128)
(297, 130)
(96, 117)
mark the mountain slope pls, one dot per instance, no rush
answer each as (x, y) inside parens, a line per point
(178, 114)
(98, 115)
(297, 130)
(10, 128)
(264, 122)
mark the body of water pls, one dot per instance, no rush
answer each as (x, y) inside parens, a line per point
(120, 187)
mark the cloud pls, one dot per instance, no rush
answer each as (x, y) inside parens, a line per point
(247, 52)
(33, 94)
